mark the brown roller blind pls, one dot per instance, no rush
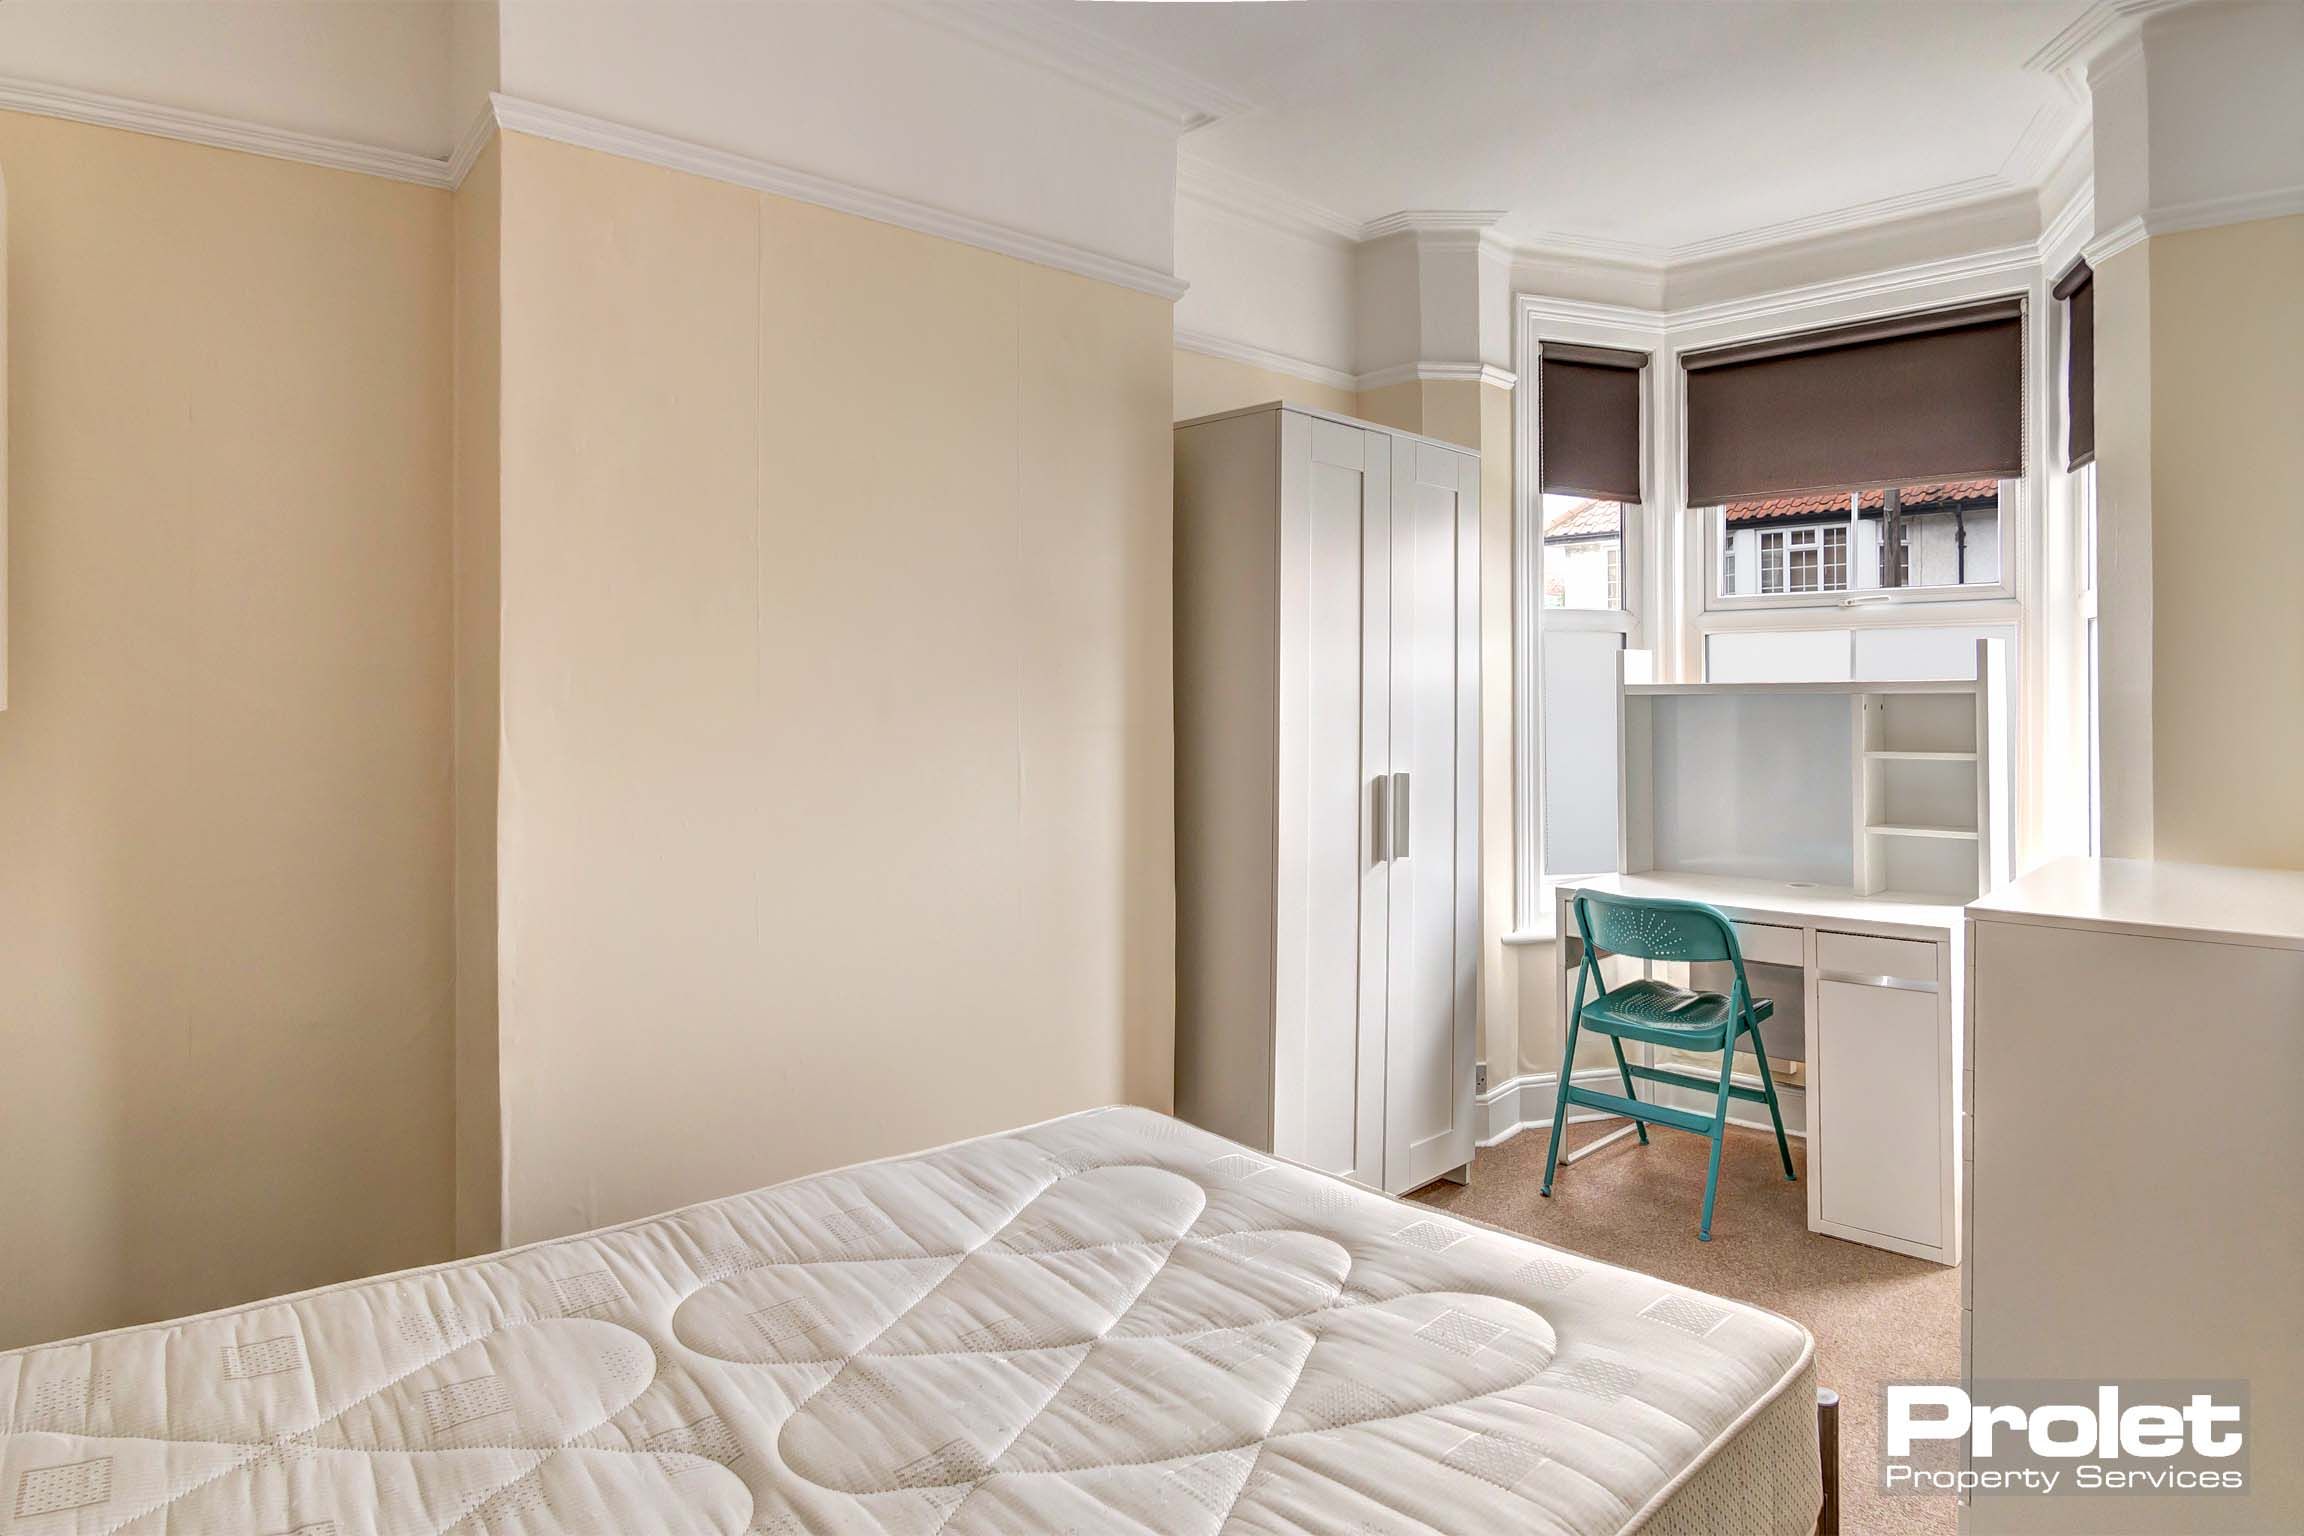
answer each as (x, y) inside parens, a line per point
(1897, 401)
(1589, 422)
(2077, 288)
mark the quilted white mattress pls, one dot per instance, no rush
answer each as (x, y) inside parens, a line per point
(1111, 1323)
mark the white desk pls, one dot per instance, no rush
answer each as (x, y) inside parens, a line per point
(2133, 1216)
(1880, 993)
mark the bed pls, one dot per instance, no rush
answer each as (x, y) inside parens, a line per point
(1108, 1323)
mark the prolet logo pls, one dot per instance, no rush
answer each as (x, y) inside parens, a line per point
(2066, 1430)
(2047, 1437)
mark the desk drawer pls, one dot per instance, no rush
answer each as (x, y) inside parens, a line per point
(1769, 943)
(1860, 955)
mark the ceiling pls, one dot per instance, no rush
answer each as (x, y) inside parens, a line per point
(1647, 129)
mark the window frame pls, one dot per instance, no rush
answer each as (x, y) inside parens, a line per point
(1716, 603)
(1537, 321)
(1673, 556)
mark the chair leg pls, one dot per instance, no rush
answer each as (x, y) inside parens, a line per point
(1626, 1071)
(1719, 1132)
(1560, 1100)
(1768, 1084)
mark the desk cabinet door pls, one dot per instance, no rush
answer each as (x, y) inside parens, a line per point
(1880, 1085)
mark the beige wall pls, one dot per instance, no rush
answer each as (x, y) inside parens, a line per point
(837, 802)
(478, 608)
(1205, 385)
(2227, 461)
(225, 939)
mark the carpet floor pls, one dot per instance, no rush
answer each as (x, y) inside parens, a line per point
(1877, 1316)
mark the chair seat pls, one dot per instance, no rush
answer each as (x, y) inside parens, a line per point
(1663, 1014)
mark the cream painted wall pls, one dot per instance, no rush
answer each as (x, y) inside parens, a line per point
(1205, 385)
(837, 807)
(2227, 541)
(478, 601)
(225, 934)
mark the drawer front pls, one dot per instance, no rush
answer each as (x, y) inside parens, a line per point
(1769, 943)
(1856, 954)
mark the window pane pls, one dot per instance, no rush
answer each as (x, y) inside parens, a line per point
(1942, 535)
(1583, 552)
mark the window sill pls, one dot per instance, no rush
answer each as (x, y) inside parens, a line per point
(1900, 609)
(1525, 937)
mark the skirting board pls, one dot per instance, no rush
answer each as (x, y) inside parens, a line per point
(1524, 1103)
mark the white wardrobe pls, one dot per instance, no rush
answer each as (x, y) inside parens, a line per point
(1327, 758)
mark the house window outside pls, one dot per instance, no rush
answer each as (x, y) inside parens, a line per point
(1583, 553)
(1801, 545)
(1772, 561)
(1943, 536)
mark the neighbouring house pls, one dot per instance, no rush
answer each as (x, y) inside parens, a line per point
(1583, 553)
(1945, 536)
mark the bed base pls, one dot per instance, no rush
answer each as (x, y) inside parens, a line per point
(1828, 1457)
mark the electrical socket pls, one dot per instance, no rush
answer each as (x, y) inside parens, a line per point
(1480, 1078)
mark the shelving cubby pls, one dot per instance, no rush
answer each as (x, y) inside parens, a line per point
(1870, 787)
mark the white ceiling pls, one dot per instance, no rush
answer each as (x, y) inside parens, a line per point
(1643, 128)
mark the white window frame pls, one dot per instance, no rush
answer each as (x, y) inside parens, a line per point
(1715, 603)
(2021, 499)
(1672, 555)
(1538, 320)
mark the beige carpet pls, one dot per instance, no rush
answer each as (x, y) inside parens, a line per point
(1877, 1316)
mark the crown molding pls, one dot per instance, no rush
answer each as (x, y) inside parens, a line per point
(477, 133)
(1262, 203)
(2036, 153)
(1946, 198)
(1439, 373)
(1265, 358)
(537, 120)
(1046, 39)
(2048, 140)
(1586, 250)
(513, 114)
(1656, 326)
(1652, 323)
(2011, 261)
(103, 111)
(2074, 51)
(2067, 232)
(2113, 241)
(1470, 224)
(2206, 213)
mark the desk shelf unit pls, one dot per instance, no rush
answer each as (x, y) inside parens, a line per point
(1841, 827)
(1879, 787)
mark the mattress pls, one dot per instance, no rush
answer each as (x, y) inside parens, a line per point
(1110, 1323)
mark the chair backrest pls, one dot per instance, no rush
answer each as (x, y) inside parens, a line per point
(1653, 928)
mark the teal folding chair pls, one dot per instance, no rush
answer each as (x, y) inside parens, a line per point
(1662, 1014)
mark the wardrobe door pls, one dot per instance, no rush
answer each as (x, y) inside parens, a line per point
(1329, 914)
(1435, 751)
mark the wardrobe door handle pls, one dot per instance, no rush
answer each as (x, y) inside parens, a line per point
(1379, 819)
(1399, 816)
